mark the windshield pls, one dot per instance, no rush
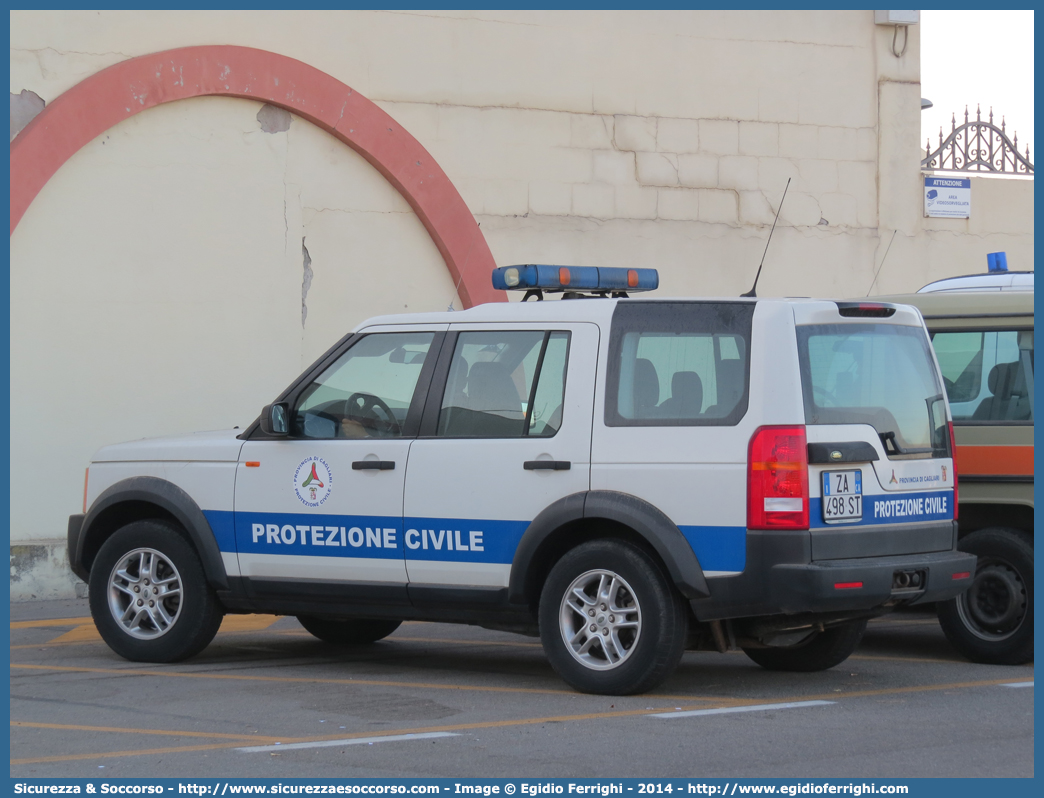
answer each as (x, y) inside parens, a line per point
(877, 374)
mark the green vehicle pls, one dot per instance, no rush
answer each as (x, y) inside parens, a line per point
(984, 343)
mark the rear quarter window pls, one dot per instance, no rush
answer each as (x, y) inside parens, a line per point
(678, 364)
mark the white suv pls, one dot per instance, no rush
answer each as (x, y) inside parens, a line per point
(626, 478)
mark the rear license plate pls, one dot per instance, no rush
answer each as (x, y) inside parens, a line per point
(842, 496)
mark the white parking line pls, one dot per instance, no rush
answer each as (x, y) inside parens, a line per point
(754, 708)
(1018, 684)
(256, 749)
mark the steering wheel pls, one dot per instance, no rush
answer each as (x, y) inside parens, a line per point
(363, 407)
(831, 400)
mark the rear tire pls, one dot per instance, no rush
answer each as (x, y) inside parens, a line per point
(149, 596)
(611, 622)
(992, 621)
(349, 631)
(821, 651)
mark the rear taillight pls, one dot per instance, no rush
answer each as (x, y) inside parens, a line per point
(777, 479)
(953, 457)
(86, 475)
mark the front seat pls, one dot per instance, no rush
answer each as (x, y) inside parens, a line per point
(494, 400)
(646, 388)
(1010, 400)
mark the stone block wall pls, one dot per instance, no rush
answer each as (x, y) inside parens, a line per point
(184, 267)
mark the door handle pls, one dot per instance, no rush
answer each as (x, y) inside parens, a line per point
(547, 465)
(373, 465)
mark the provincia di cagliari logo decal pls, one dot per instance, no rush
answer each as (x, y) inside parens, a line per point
(313, 481)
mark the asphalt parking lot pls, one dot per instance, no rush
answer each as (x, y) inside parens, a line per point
(434, 700)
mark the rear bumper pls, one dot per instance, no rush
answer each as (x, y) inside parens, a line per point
(868, 582)
(787, 572)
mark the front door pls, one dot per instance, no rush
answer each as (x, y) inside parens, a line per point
(323, 508)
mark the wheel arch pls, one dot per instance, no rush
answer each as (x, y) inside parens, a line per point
(984, 515)
(138, 499)
(588, 515)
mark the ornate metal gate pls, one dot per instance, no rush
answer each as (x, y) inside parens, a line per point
(978, 146)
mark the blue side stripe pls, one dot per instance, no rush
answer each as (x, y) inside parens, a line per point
(221, 523)
(319, 535)
(463, 540)
(718, 548)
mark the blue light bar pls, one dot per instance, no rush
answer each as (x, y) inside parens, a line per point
(531, 276)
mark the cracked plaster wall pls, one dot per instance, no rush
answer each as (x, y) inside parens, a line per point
(177, 281)
(646, 138)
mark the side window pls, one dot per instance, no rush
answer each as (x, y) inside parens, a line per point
(988, 375)
(960, 359)
(678, 364)
(505, 385)
(367, 392)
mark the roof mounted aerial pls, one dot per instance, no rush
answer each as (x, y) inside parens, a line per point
(573, 282)
(767, 242)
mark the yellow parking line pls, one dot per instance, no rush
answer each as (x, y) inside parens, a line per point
(160, 732)
(457, 727)
(113, 754)
(464, 642)
(85, 631)
(936, 660)
(522, 721)
(247, 623)
(350, 682)
(80, 634)
(926, 688)
(86, 634)
(50, 622)
(458, 641)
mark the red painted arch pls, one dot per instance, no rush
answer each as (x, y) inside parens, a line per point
(97, 103)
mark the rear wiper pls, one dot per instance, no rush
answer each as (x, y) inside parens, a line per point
(889, 438)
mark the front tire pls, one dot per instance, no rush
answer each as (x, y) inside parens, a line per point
(992, 621)
(350, 631)
(822, 650)
(610, 620)
(149, 596)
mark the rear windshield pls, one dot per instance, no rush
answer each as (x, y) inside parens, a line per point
(877, 374)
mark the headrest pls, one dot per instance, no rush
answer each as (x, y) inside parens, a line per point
(686, 386)
(491, 389)
(1001, 381)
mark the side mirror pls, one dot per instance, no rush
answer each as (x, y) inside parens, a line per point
(275, 419)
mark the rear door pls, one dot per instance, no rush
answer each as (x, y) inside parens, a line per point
(881, 473)
(506, 432)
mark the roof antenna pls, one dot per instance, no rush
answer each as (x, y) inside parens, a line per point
(751, 293)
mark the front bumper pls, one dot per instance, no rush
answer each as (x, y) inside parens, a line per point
(868, 582)
(75, 527)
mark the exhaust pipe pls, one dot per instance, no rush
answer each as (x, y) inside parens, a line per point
(908, 580)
